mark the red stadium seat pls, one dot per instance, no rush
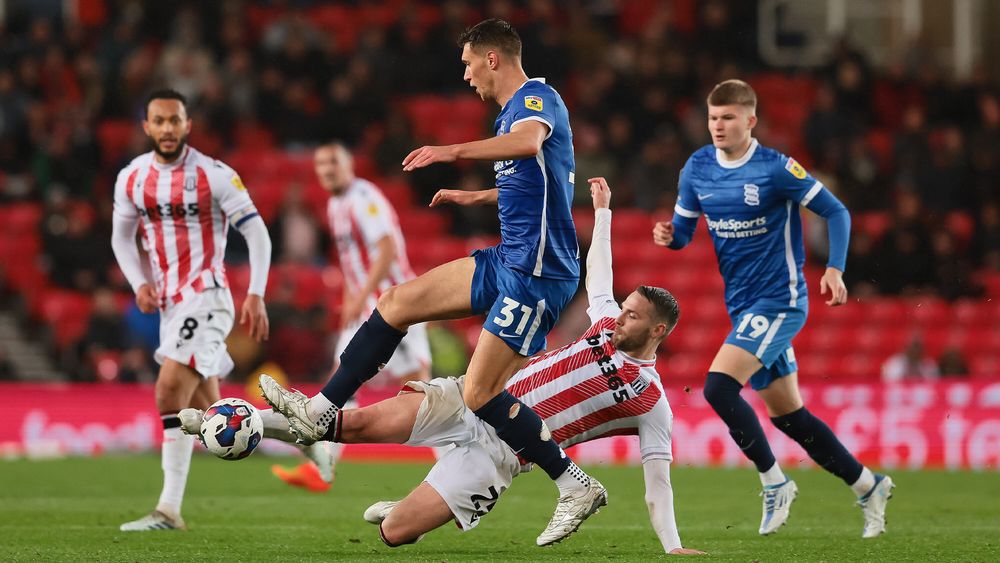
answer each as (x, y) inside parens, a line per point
(20, 218)
(874, 223)
(422, 224)
(67, 314)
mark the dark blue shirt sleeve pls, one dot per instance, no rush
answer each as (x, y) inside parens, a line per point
(799, 186)
(838, 225)
(686, 211)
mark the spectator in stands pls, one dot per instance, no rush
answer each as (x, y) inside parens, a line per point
(951, 270)
(952, 363)
(473, 220)
(910, 364)
(592, 160)
(863, 269)
(105, 330)
(946, 183)
(911, 149)
(296, 235)
(984, 144)
(7, 370)
(78, 257)
(987, 239)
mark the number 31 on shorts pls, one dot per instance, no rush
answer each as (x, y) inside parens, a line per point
(507, 315)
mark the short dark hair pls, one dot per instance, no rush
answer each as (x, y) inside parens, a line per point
(733, 92)
(165, 94)
(335, 144)
(494, 33)
(666, 306)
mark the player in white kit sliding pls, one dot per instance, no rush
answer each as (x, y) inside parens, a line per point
(185, 202)
(602, 384)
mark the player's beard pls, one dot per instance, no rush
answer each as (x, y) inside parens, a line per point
(171, 155)
(627, 343)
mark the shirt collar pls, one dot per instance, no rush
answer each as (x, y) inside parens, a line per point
(720, 156)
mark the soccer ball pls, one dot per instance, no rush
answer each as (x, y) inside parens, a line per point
(231, 429)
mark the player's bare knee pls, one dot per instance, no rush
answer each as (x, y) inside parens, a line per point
(391, 305)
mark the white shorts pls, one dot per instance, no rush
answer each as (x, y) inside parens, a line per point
(412, 354)
(194, 332)
(471, 476)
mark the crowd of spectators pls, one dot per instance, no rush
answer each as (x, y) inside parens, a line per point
(907, 147)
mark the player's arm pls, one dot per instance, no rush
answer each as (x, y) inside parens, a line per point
(524, 140)
(228, 189)
(124, 224)
(838, 226)
(677, 233)
(801, 187)
(465, 197)
(660, 502)
(599, 272)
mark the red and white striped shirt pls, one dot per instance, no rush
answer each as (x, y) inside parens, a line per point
(588, 389)
(359, 218)
(185, 208)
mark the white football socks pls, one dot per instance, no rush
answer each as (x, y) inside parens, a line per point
(573, 481)
(176, 461)
(864, 483)
(276, 426)
(317, 406)
(772, 476)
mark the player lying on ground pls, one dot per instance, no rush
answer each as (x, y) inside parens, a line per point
(602, 384)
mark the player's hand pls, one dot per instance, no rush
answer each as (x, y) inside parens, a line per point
(427, 155)
(146, 298)
(350, 309)
(458, 197)
(600, 192)
(254, 315)
(833, 281)
(663, 233)
(686, 551)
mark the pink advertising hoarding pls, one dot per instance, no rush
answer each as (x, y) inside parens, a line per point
(917, 425)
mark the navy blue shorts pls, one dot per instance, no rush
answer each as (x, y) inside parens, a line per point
(520, 308)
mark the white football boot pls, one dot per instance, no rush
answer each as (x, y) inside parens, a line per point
(379, 511)
(777, 504)
(873, 506)
(293, 405)
(154, 521)
(572, 511)
(322, 454)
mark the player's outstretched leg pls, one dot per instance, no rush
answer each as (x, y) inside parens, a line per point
(823, 446)
(723, 393)
(523, 430)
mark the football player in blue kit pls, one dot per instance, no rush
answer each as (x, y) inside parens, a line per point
(521, 285)
(750, 195)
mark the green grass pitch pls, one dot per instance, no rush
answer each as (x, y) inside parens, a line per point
(69, 510)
